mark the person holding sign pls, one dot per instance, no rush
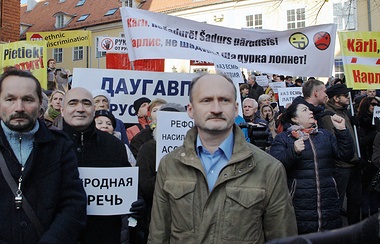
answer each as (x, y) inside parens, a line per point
(346, 173)
(308, 154)
(42, 197)
(95, 148)
(217, 187)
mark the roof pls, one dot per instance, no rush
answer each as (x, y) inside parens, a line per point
(42, 16)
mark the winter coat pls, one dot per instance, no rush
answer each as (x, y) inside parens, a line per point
(95, 148)
(248, 204)
(310, 176)
(52, 187)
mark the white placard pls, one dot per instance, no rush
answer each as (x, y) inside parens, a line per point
(376, 113)
(262, 80)
(126, 86)
(110, 191)
(288, 94)
(170, 132)
(276, 85)
(112, 44)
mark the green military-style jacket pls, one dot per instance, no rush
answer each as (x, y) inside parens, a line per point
(249, 203)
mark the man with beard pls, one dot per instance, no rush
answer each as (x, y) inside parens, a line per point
(346, 174)
(217, 187)
(42, 198)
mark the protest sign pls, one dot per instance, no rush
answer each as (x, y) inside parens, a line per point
(153, 35)
(26, 55)
(376, 113)
(61, 39)
(288, 94)
(262, 80)
(276, 85)
(110, 191)
(112, 45)
(170, 132)
(361, 60)
(126, 86)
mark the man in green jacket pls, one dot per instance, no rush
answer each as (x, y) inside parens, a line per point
(217, 188)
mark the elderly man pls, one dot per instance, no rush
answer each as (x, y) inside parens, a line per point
(255, 89)
(94, 148)
(102, 101)
(218, 188)
(42, 197)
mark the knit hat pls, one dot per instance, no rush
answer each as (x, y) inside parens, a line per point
(100, 92)
(137, 104)
(107, 114)
(173, 107)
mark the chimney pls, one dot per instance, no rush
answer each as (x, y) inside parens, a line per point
(30, 5)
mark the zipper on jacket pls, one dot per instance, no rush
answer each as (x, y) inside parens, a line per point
(317, 181)
(18, 197)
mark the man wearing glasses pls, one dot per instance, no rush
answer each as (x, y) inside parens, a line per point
(347, 174)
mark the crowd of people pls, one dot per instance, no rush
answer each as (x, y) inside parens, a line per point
(276, 175)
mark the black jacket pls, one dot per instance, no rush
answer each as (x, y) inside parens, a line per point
(51, 185)
(95, 148)
(310, 176)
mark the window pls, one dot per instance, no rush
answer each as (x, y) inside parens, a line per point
(80, 3)
(99, 54)
(345, 15)
(258, 21)
(83, 17)
(338, 66)
(295, 18)
(111, 12)
(58, 54)
(254, 21)
(249, 20)
(60, 21)
(78, 53)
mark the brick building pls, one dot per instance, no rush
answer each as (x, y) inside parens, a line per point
(9, 20)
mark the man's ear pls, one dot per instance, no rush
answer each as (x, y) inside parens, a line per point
(190, 111)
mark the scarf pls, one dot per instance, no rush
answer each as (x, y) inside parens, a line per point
(53, 113)
(298, 131)
(21, 142)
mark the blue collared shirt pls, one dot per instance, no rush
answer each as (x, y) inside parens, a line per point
(214, 163)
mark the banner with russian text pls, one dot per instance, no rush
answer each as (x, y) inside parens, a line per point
(361, 59)
(61, 39)
(26, 55)
(307, 51)
(126, 86)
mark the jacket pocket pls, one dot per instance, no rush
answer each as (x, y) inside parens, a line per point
(243, 209)
(181, 197)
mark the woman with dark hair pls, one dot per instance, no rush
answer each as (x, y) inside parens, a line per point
(366, 134)
(308, 155)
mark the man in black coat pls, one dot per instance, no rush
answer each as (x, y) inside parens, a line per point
(94, 148)
(42, 165)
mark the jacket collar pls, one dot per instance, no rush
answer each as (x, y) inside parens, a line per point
(240, 151)
(77, 136)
